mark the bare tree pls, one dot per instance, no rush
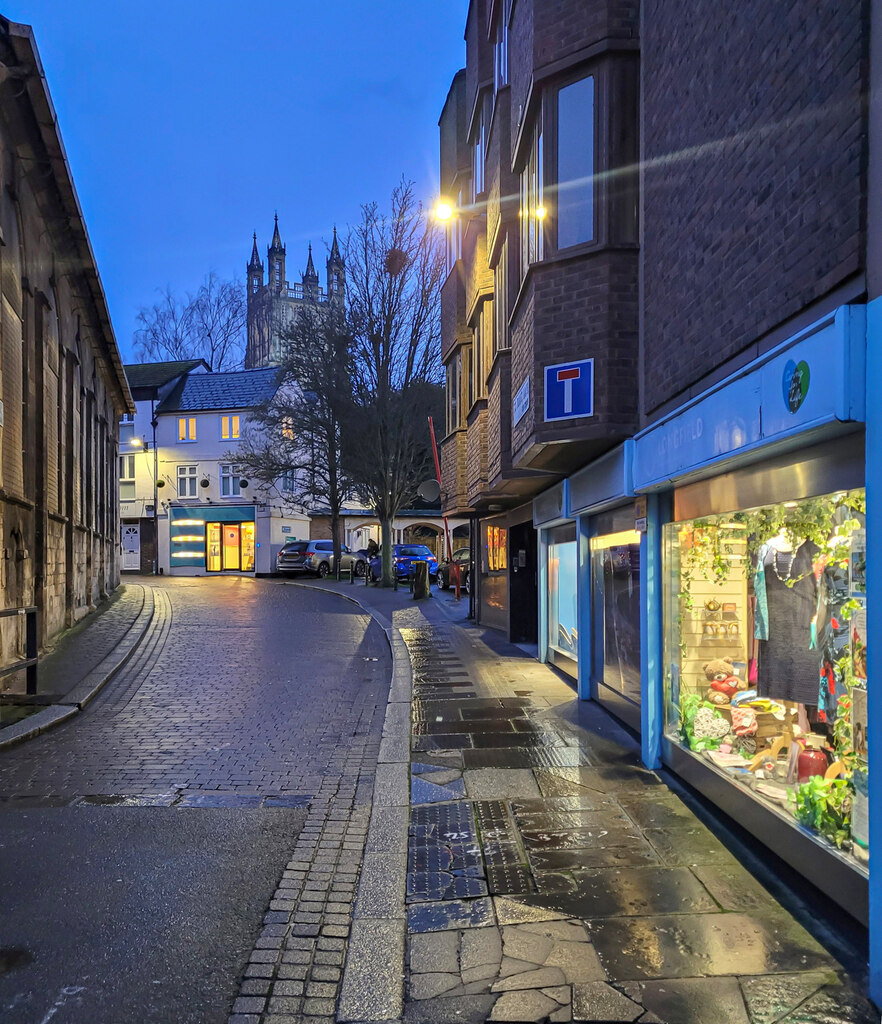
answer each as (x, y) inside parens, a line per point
(395, 268)
(298, 435)
(208, 324)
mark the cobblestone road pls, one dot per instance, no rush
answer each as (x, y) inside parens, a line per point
(239, 687)
(205, 811)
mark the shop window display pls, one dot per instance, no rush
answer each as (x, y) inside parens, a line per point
(765, 650)
(615, 583)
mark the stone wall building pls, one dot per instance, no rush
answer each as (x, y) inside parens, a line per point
(63, 388)
(274, 304)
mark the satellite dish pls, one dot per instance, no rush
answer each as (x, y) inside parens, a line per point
(429, 490)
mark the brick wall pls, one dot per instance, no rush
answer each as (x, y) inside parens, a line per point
(499, 417)
(453, 472)
(476, 453)
(580, 308)
(753, 150)
(563, 27)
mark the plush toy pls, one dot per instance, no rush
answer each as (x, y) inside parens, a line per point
(724, 684)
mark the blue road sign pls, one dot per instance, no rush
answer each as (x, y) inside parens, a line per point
(569, 390)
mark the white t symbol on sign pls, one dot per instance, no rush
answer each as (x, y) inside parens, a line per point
(567, 377)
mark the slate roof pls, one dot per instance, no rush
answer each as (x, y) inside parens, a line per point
(239, 389)
(154, 375)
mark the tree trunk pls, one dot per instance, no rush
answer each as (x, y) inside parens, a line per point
(386, 544)
(335, 536)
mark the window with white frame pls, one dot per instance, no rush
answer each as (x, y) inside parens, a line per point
(186, 428)
(532, 212)
(126, 477)
(127, 417)
(479, 152)
(288, 482)
(482, 346)
(229, 476)
(187, 481)
(229, 428)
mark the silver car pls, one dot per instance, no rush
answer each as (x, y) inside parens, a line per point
(315, 556)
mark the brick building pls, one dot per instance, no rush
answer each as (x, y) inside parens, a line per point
(63, 387)
(542, 270)
(662, 338)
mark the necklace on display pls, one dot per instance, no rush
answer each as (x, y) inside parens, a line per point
(786, 576)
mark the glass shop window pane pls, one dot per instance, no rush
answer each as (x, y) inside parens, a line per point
(575, 164)
(615, 581)
(563, 633)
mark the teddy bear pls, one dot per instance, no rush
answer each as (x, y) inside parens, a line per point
(724, 684)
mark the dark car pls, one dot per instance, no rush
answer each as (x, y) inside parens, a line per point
(315, 556)
(461, 557)
(403, 557)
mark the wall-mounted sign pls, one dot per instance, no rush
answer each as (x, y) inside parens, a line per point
(569, 390)
(286, 529)
(796, 383)
(521, 402)
(640, 514)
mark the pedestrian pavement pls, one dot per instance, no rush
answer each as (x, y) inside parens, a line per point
(522, 865)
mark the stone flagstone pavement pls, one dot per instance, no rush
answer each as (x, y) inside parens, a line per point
(538, 872)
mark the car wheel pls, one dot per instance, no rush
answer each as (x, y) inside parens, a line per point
(443, 583)
(323, 569)
(359, 569)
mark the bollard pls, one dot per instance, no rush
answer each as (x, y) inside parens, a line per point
(420, 578)
(456, 573)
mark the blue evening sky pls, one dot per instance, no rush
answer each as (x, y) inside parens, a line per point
(187, 123)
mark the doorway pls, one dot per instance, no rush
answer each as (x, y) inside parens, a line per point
(523, 616)
(131, 546)
(229, 547)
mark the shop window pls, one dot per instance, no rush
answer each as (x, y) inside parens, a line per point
(186, 428)
(229, 476)
(563, 634)
(765, 655)
(229, 428)
(187, 481)
(615, 591)
(496, 549)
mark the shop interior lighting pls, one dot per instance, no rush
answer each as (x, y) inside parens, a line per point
(733, 526)
(187, 554)
(188, 537)
(188, 522)
(615, 540)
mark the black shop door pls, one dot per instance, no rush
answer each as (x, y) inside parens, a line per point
(524, 584)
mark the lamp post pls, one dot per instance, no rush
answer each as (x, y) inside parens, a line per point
(143, 443)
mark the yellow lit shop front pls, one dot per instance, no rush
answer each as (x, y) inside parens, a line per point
(212, 540)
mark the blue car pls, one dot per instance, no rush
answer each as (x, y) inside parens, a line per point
(403, 557)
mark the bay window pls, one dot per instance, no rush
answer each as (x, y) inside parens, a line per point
(532, 210)
(574, 214)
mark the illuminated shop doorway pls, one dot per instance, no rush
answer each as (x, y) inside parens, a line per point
(229, 547)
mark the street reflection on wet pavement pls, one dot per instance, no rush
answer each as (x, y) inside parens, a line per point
(552, 878)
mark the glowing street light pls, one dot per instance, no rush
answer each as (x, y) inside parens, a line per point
(136, 442)
(443, 210)
(541, 213)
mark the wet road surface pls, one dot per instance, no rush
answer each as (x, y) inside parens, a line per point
(142, 842)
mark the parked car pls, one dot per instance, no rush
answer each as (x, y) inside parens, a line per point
(462, 557)
(315, 556)
(403, 557)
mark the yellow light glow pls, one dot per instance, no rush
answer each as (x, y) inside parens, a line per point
(136, 442)
(187, 554)
(188, 522)
(732, 526)
(791, 504)
(443, 210)
(188, 537)
(541, 213)
(615, 540)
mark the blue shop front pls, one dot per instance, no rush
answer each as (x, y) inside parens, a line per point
(756, 601)
(589, 592)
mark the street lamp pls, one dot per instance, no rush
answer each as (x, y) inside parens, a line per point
(138, 442)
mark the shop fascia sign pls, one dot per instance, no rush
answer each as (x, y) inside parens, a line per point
(812, 380)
